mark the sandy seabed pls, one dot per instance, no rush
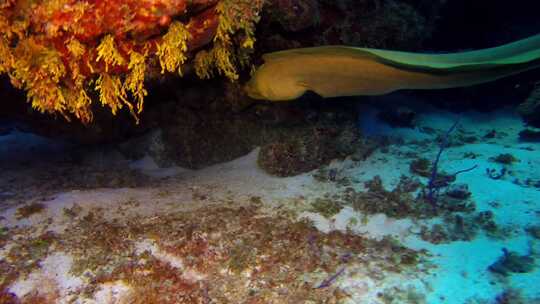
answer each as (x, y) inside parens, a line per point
(231, 233)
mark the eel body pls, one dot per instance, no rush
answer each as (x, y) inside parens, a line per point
(332, 71)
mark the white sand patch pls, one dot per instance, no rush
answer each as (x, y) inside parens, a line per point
(461, 271)
(363, 289)
(152, 247)
(148, 166)
(375, 226)
(174, 261)
(111, 293)
(53, 277)
(112, 200)
(242, 179)
(5, 250)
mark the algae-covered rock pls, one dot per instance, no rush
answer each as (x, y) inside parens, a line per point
(534, 231)
(326, 207)
(529, 135)
(505, 159)
(458, 191)
(399, 202)
(463, 226)
(151, 144)
(512, 262)
(308, 151)
(421, 166)
(400, 117)
(530, 108)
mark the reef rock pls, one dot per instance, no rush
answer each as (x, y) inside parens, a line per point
(458, 191)
(530, 109)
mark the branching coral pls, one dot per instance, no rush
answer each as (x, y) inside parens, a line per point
(57, 49)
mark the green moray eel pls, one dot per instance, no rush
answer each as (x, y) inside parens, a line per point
(332, 71)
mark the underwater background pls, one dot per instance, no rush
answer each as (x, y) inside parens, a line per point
(144, 159)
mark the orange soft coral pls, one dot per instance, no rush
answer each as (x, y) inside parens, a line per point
(54, 49)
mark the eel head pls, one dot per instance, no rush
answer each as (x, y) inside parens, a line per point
(272, 82)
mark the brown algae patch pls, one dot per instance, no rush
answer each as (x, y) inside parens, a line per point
(227, 255)
(326, 207)
(29, 210)
(24, 256)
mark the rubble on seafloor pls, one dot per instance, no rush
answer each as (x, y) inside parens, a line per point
(453, 218)
(218, 255)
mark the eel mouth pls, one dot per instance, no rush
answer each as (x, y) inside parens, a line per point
(252, 92)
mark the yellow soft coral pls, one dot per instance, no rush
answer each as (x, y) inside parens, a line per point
(16, 29)
(218, 58)
(46, 96)
(225, 26)
(204, 61)
(135, 80)
(235, 16)
(79, 102)
(76, 48)
(55, 64)
(39, 70)
(49, 61)
(111, 92)
(221, 53)
(108, 52)
(224, 61)
(172, 50)
(6, 58)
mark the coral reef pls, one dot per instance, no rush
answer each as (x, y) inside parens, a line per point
(59, 50)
